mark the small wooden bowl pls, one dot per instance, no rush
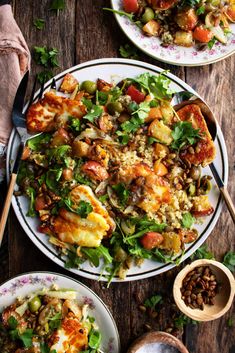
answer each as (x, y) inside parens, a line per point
(223, 299)
(146, 342)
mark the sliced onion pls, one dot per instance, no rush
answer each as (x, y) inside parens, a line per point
(113, 198)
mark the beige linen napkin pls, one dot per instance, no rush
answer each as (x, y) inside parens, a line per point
(14, 62)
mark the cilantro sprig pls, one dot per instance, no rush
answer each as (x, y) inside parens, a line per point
(184, 134)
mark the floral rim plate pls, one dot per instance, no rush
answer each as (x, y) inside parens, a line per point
(26, 283)
(109, 70)
(173, 54)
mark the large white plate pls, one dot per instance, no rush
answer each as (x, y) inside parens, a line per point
(173, 54)
(117, 69)
(24, 284)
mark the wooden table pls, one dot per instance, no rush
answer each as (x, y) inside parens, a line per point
(83, 32)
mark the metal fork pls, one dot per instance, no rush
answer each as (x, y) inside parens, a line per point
(19, 121)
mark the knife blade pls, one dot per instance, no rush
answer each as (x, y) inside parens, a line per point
(18, 119)
(224, 191)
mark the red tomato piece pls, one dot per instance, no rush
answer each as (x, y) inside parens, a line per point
(130, 5)
(95, 170)
(151, 240)
(135, 94)
(162, 4)
(202, 34)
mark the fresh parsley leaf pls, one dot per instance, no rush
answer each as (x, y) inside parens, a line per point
(44, 76)
(84, 208)
(152, 140)
(190, 3)
(101, 98)
(95, 112)
(57, 5)
(31, 193)
(75, 124)
(52, 178)
(25, 337)
(39, 23)
(55, 321)
(202, 253)
(44, 348)
(122, 193)
(73, 261)
(46, 57)
(187, 220)
(183, 134)
(94, 339)
(128, 51)
(183, 320)
(229, 260)
(103, 198)
(121, 13)
(12, 322)
(35, 143)
(153, 301)
(201, 10)
(156, 85)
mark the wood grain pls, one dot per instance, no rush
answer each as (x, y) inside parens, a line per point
(83, 31)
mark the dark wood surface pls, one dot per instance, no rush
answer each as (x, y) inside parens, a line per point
(83, 32)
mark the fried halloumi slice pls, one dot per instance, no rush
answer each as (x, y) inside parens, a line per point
(70, 228)
(71, 337)
(204, 151)
(42, 115)
(68, 84)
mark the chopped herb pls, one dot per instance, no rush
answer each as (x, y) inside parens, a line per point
(153, 301)
(36, 142)
(201, 10)
(73, 260)
(75, 124)
(121, 13)
(190, 3)
(57, 5)
(230, 322)
(94, 255)
(229, 260)
(84, 208)
(46, 57)
(39, 23)
(55, 321)
(128, 51)
(187, 220)
(12, 322)
(26, 336)
(94, 339)
(95, 112)
(152, 140)
(44, 76)
(184, 134)
(30, 192)
(103, 198)
(44, 348)
(183, 320)
(202, 253)
(122, 193)
(211, 43)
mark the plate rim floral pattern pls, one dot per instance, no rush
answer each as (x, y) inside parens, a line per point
(47, 278)
(41, 241)
(175, 55)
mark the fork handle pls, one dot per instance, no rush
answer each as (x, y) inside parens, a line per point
(228, 202)
(7, 205)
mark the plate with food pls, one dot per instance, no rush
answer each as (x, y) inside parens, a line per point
(50, 312)
(114, 183)
(189, 33)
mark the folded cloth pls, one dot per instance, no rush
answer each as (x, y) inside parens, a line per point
(14, 62)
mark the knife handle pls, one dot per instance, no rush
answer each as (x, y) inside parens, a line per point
(228, 202)
(7, 205)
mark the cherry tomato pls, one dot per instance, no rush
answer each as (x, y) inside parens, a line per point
(130, 5)
(202, 34)
(151, 240)
(162, 4)
(95, 170)
(135, 94)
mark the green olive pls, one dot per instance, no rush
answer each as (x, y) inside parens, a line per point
(195, 173)
(114, 107)
(89, 86)
(119, 254)
(205, 186)
(148, 15)
(192, 189)
(34, 304)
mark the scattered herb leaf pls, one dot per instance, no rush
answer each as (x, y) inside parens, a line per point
(187, 220)
(229, 260)
(39, 23)
(128, 51)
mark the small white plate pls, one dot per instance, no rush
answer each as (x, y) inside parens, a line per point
(24, 284)
(173, 54)
(116, 70)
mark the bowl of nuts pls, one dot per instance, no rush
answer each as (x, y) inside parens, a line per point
(204, 290)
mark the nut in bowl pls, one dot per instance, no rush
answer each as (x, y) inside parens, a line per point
(204, 290)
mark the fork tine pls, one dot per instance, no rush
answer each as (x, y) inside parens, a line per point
(41, 89)
(53, 84)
